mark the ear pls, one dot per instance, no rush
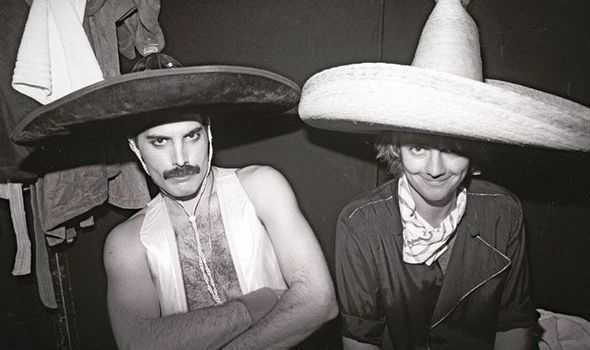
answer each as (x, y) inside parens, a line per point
(135, 150)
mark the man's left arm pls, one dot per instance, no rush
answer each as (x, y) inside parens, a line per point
(310, 299)
(517, 315)
(518, 338)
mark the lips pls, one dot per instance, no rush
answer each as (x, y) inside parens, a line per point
(436, 182)
(180, 178)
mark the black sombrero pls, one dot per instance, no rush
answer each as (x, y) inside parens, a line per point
(204, 89)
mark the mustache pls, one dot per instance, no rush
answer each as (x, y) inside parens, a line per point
(182, 171)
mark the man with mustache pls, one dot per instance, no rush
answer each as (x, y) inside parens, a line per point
(222, 220)
(220, 257)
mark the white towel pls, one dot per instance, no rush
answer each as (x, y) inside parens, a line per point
(55, 57)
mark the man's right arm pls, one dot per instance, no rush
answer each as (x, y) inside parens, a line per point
(351, 344)
(134, 308)
(357, 288)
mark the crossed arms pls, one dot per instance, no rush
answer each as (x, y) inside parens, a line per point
(308, 302)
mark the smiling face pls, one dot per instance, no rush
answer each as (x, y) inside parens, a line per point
(434, 175)
(176, 156)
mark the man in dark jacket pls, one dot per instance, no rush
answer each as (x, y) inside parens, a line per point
(434, 256)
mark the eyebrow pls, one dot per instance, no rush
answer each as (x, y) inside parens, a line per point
(156, 136)
(194, 131)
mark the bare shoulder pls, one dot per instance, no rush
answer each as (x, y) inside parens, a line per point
(128, 230)
(123, 241)
(255, 173)
(260, 180)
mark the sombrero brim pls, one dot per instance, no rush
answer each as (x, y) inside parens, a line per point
(370, 97)
(206, 89)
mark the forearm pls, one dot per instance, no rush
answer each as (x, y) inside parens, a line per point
(351, 344)
(515, 339)
(208, 328)
(298, 314)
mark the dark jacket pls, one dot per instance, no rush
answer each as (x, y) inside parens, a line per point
(485, 287)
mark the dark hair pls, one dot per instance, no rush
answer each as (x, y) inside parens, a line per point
(388, 148)
(136, 125)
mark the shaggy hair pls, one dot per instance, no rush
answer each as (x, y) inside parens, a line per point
(389, 142)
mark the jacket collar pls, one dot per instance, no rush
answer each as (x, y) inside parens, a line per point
(473, 262)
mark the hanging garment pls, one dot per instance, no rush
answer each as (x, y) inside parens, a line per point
(14, 193)
(13, 105)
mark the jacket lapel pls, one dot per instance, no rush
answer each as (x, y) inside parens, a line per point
(473, 262)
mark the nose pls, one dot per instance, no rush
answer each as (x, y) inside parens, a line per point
(180, 158)
(435, 164)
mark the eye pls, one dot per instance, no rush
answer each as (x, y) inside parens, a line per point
(417, 150)
(450, 150)
(158, 141)
(193, 136)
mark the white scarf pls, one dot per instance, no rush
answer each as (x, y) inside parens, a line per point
(422, 242)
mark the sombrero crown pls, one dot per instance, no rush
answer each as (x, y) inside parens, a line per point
(443, 92)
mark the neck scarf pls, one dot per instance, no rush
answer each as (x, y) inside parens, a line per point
(422, 242)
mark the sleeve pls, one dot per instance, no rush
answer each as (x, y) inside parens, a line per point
(516, 307)
(357, 289)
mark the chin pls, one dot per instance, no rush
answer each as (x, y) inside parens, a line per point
(439, 199)
(184, 192)
(438, 202)
(182, 195)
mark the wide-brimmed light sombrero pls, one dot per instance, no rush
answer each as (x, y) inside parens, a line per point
(205, 89)
(443, 92)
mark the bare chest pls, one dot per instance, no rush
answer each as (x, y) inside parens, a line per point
(205, 258)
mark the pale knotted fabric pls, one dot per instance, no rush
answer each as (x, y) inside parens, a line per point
(422, 242)
(443, 92)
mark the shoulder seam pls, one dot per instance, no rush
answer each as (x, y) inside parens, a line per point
(486, 194)
(367, 204)
(497, 195)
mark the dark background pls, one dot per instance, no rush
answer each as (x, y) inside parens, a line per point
(539, 43)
